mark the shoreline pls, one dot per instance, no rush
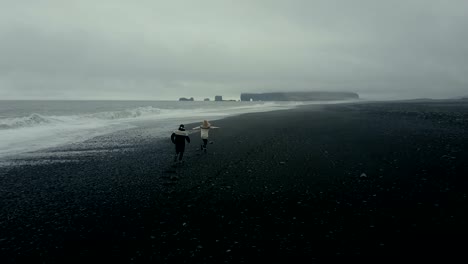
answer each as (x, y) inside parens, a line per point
(371, 179)
(40, 130)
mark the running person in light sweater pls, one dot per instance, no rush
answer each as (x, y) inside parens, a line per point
(204, 132)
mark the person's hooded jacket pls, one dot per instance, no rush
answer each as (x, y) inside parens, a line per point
(179, 137)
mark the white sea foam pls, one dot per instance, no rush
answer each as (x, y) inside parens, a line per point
(38, 120)
(36, 131)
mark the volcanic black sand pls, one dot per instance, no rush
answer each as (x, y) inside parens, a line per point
(310, 184)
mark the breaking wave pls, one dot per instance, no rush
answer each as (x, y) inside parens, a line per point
(39, 130)
(41, 120)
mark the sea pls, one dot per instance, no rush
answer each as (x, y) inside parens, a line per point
(31, 126)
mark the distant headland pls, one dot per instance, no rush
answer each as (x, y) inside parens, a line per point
(299, 96)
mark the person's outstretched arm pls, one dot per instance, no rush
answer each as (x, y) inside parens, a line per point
(196, 128)
(214, 127)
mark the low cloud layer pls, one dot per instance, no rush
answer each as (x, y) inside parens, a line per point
(167, 49)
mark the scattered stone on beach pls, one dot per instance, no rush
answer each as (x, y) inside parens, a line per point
(232, 224)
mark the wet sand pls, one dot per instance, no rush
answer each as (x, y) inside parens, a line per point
(310, 184)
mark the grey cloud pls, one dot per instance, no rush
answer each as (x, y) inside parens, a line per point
(162, 50)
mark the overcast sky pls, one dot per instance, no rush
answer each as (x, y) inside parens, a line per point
(110, 49)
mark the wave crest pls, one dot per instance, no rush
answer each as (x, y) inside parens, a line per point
(129, 113)
(27, 121)
(40, 120)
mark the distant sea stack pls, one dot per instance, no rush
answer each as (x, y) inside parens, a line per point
(299, 96)
(185, 99)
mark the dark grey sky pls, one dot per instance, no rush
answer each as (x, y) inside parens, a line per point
(109, 49)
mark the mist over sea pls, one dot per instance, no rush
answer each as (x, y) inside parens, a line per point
(27, 126)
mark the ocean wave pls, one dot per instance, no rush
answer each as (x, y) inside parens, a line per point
(143, 112)
(124, 114)
(27, 121)
(37, 131)
(41, 120)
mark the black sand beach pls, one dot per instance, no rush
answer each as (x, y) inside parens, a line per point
(310, 184)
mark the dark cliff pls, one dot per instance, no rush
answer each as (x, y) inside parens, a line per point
(299, 96)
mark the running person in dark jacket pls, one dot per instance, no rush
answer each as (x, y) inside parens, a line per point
(178, 138)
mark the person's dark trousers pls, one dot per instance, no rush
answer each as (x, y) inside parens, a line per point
(203, 146)
(179, 155)
(179, 152)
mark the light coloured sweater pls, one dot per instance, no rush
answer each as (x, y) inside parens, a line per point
(204, 131)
